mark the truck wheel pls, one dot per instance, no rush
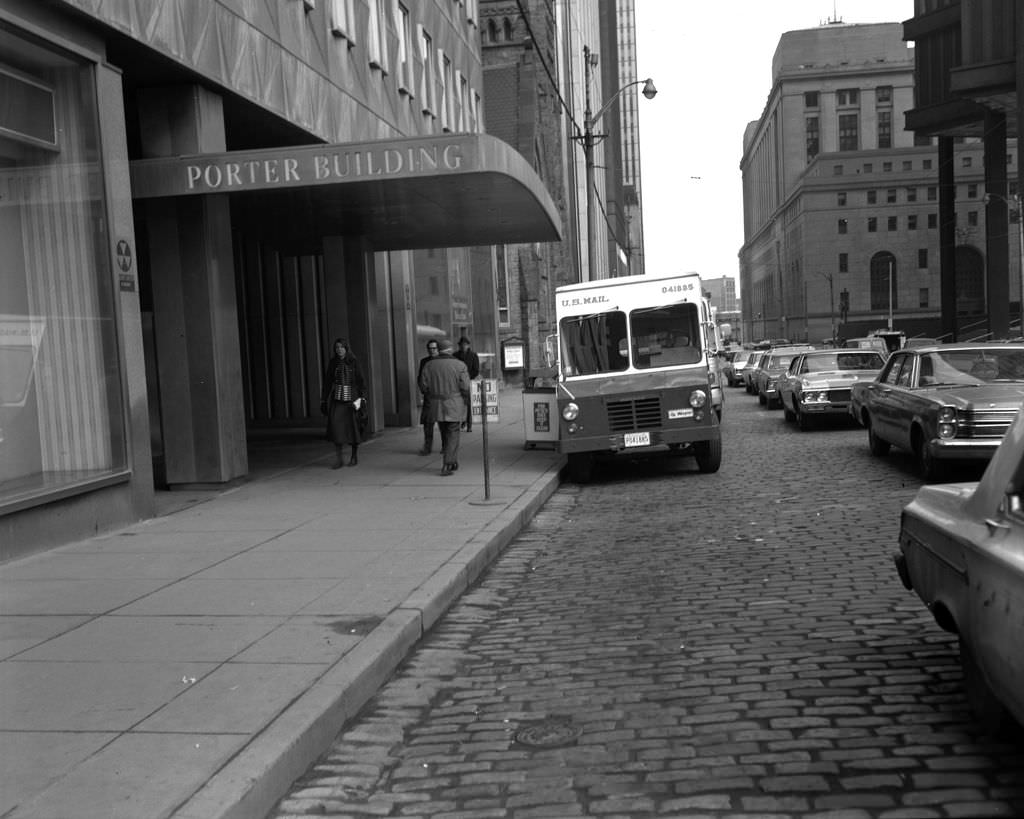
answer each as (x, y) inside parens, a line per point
(708, 455)
(581, 467)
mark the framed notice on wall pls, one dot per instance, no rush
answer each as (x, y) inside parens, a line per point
(514, 356)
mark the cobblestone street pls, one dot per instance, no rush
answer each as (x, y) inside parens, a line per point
(666, 643)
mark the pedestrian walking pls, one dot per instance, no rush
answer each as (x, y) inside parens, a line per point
(472, 362)
(428, 426)
(445, 383)
(343, 401)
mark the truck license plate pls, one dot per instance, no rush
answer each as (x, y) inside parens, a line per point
(636, 439)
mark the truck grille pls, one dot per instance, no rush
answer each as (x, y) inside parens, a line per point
(988, 423)
(638, 413)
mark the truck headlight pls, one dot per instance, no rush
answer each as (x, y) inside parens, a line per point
(947, 422)
(698, 398)
(571, 411)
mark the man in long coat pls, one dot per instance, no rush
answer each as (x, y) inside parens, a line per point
(444, 382)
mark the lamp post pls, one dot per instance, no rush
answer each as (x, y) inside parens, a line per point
(1015, 200)
(589, 139)
(890, 294)
(831, 302)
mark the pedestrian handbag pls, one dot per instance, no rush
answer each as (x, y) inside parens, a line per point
(362, 416)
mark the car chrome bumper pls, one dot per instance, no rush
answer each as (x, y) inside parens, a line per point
(967, 449)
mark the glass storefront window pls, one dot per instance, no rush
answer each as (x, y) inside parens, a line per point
(61, 400)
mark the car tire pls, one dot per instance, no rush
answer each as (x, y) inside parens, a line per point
(878, 447)
(990, 712)
(930, 470)
(762, 399)
(580, 467)
(708, 455)
(804, 421)
(787, 413)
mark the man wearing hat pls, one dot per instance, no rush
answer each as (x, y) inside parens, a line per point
(444, 382)
(472, 362)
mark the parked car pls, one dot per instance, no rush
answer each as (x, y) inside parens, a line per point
(962, 552)
(947, 403)
(735, 364)
(750, 371)
(768, 371)
(817, 384)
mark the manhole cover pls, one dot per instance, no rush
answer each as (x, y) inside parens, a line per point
(548, 734)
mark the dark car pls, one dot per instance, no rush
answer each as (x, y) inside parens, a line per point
(962, 551)
(947, 403)
(770, 368)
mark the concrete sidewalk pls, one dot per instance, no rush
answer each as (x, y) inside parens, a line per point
(195, 664)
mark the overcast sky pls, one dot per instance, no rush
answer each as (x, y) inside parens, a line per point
(712, 64)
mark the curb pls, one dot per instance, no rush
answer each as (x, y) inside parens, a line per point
(252, 782)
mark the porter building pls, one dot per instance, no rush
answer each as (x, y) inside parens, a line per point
(196, 199)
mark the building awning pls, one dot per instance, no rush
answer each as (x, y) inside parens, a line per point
(455, 190)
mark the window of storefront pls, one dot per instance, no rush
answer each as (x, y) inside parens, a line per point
(61, 406)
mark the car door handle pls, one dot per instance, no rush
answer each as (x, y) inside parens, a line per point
(996, 526)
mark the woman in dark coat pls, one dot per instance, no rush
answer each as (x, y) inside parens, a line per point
(343, 393)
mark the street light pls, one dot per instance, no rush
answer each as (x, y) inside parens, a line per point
(590, 139)
(1016, 201)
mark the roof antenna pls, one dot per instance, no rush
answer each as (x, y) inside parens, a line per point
(835, 14)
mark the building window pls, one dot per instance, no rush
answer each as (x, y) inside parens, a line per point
(885, 129)
(883, 281)
(972, 218)
(841, 198)
(912, 221)
(810, 99)
(886, 167)
(933, 220)
(837, 170)
(447, 90)
(921, 140)
(377, 43)
(922, 258)
(926, 164)
(61, 395)
(890, 196)
(922, 297)
(868, 167)
(932, 193)
(812, 138)
(908, 165)
(342, 20)
(844, 262)
(872, 224)
(404, 27)
(883, 94)
(428, 74)
(872, 197)
(847, 96)
(911, 194)
(965, 161)
(501, 280)
(972, 190)
(890, 223)
(848, 132)
(842, 226)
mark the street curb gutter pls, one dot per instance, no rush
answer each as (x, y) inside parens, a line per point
(252, 782)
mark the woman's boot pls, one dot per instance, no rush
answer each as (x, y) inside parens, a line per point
(338, 457)
(355, 458)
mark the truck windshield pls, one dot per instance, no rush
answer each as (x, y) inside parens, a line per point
(594, 344)
(666, 336)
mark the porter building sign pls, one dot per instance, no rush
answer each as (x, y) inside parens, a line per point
(302, 166)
